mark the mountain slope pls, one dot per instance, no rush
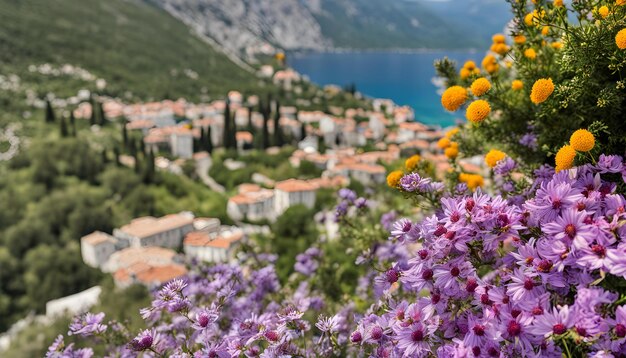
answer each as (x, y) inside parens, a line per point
(134, 46)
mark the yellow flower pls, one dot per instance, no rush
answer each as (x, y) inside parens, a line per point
(452, 132)
(477, 111)
(530, 54)
(565, 158)
(411, 162)
(582, 140)
(519, 39)
(619, 2)
(545, 30)
(500, 48)
(490, 64)
(557, 45)
(498, 39)
(443, 143)
(453, 98)
(473, 181)
(528, 19)
(493, 157)
(393, 179)
(558, 3)
(620, 39)
(542, 89)
(480, 86)
(517, 85)
(464, 73)
(603, 11)
(470, 65)
(452, 152)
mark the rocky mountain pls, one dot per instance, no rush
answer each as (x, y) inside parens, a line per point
(245, 27)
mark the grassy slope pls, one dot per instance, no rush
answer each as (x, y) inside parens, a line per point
(132, 45)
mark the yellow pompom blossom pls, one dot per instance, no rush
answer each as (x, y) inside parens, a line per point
(451, 152)
(557, 45)
(542, 89)
(443, 143)
(470, 65)
(582, 140)
(558, 3)
(565, 158)
(530, 54)
(480, 86)
(477, 111)
(618, 2)
(411, 163)
(464, 73)
(603, 11)
(500, 49)
(498, 39)
(493, 157)
(528, 19)
(473, 181)
(452, 132)
(545, 30)
(519, 39)
(453, 98)
(517, 85)
(620, 39)
(393, 179)
(490, 64)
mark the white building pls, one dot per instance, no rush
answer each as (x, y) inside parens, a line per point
(252, 205)
(97, 247)
(365, 173)
(181, 142)
(167, 231)
(216, 246)
(74, 304)
(293, 192)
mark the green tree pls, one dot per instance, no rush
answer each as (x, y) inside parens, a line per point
(63, 128)
(278, 132)
(50, 117)
(227, 129)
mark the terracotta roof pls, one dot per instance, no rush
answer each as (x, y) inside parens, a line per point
(151, 274)
(252, 197)
(293, 185)
(151, 255)
(412, 126)
(147, 226)
(221, 240)
(417, 143)
(244, 136)
(248, 188)
(140, 124)
(361, 167)
(97, 238)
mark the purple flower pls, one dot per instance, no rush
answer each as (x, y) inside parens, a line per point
(505, 166)
(571, 228)
(205, 317)
(360, 203)
(404, 229)
(556, 322)
(413, 340)
(87, 325)
(529, 140)
(610, 164)
(387, 220)
(327, 324)
(523, 286)
(143, 341)
(410, 182)
(347, 194)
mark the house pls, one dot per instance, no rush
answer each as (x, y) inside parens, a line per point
(253, 204)
(181, 143)
(408, 131)
(365, 173)
(149, 276)
(244, 140)
(286, 78)
(216, 246)
(292, 192)
(97, 247)
(131, 256)
(167, 231)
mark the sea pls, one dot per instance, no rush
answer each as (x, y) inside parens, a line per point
(406, 77)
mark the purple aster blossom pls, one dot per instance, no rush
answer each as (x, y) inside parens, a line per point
(556, 322)
(58, 349)
(404, 229)
(516, 330)
(479, 332)
(610, 164)
(87, 325)
(205, 318)
(551, 199)
(410, 182)
(384, 280)
(523, 286)
(341, 210)
(347, 194)
(306, 263)
(414, 340)
(617, 258)
(594, 257)
(361, 203)
(387, 220)
(571, 227)
(529, 140)
(143, 341)
(461, 189)
(619, 327)
(327, 324)
(505, 166)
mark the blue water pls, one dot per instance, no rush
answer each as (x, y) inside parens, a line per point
(406, 78)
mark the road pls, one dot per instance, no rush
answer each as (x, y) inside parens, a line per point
(202, 169)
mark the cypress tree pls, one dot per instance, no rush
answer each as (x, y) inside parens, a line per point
(226, 135)
(63, 129)
(49, 112)
(303, 131)
(102, 116)
(208, 141)
(124, 132)
(73, 123)
(233, 133)
(105, 157)
(265, 134)
(116, 154)
(93, 119)
(250, 126)
(278, 137)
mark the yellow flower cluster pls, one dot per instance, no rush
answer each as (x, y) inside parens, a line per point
(473, 181)
(542, 89)
(480, 86)
(452, 132)
(443, 143)
(477, 111)
(411, 163)
(565, 158)
(620, 39)
(619, 2)
(469, 68)
(534, 17)
(453, 98)
(493, 157)
(490, 64)
(393, 179)
(557, 45)
(582, 140)
(517, 85)
(530, 54)
(452, 151)
(519, 39)
(558, 3)
(603, 11)
(499, 45)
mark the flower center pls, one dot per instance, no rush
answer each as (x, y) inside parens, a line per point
(356, 337)
(529, 284)
(570, 230)
(203, 321)
(471, 285)
(559, 328)
(479, 330)
(476, 351)
(515, 313)
(423, 254)
(620, 330)
(484, 299)
(427, 274)
(599, 250)
(273, 336)
(377, 333)
(455, 216)
(406, 227)
(469, 204)
(417, 336)
(581, 331)
(544, 266)
(435, 298)
(537, 311)
(440, 230)
(455, 271)
(392, 275)
(450, 235)
(514, 329)
(529, 260)
(556, 204)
